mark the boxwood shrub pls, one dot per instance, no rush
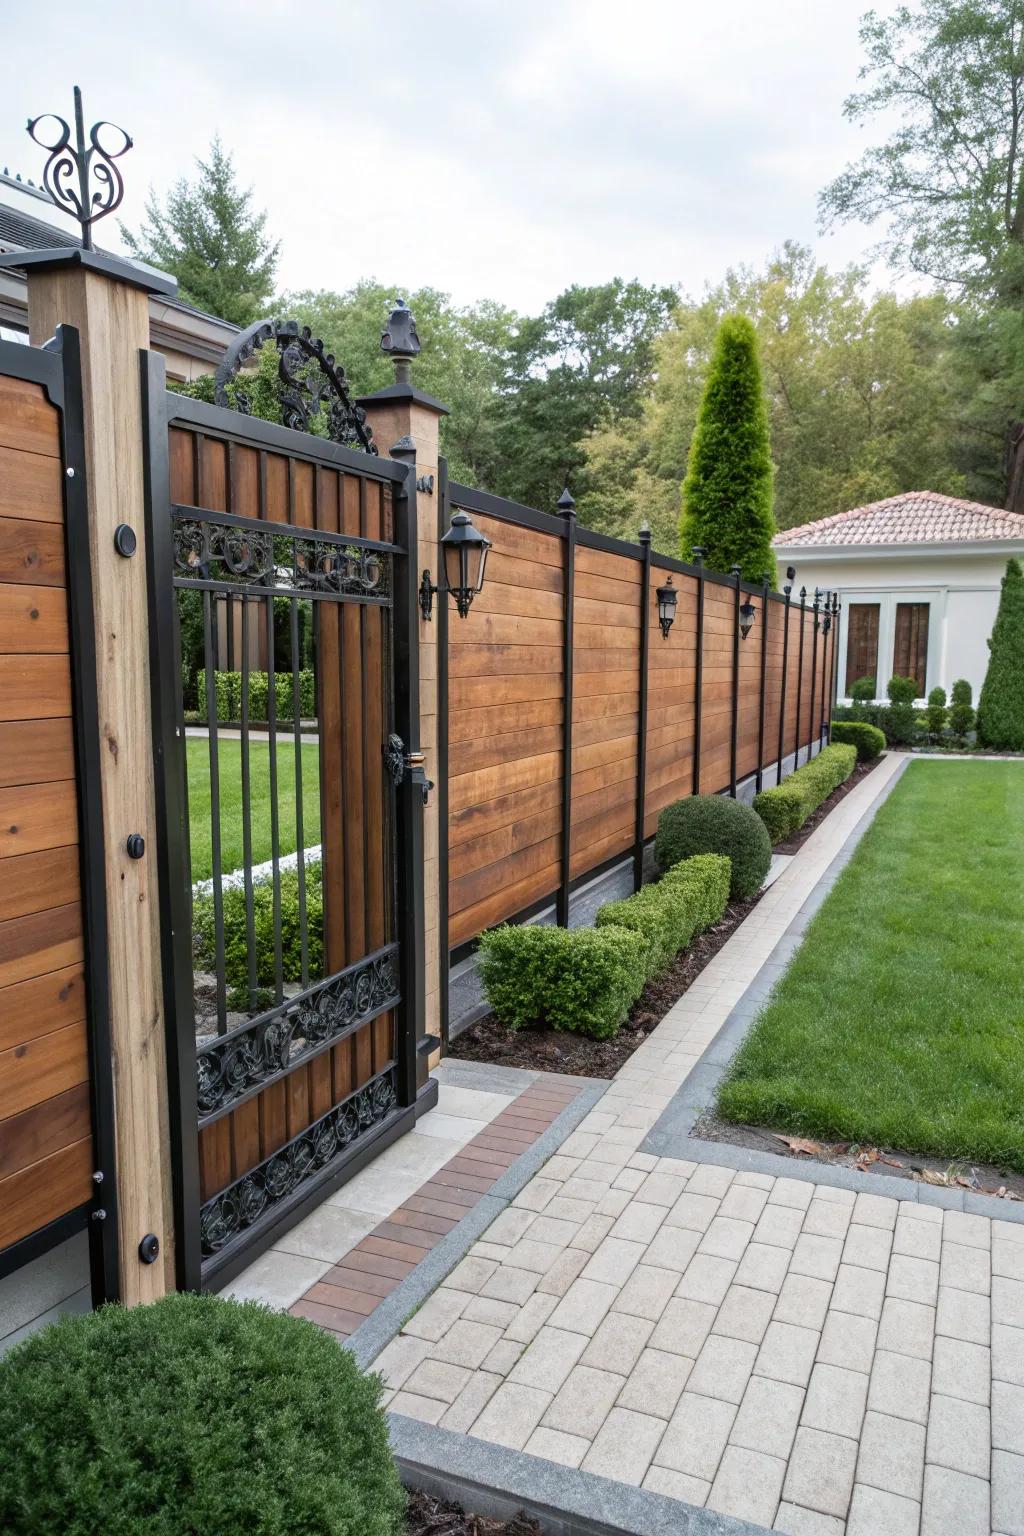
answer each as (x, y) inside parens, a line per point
(716, 824)
(236, 941)
(227, 687)
(193, 1414)
(868, 739)
(687, 899)
(785, 808)
(579, 979)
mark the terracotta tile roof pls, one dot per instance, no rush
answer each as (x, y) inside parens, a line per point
(916, 517)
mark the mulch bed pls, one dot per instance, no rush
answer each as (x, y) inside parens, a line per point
(792, 844)
(976, 1178)
(549, 1050)
(430, 1516)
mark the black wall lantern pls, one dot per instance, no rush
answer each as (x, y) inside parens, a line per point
(748, 613)
(464, 559)
(668, 597)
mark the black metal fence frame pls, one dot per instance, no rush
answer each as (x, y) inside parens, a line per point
(468, 498)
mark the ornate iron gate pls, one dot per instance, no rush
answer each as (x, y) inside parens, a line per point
(285, 664)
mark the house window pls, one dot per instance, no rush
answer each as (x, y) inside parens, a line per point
(861, 643)
(910, 652)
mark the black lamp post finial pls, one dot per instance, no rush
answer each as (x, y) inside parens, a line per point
(400, 340)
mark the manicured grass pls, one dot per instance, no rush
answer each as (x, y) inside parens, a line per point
(900, 1022)
(229, 760)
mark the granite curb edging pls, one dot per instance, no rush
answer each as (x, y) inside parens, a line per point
(496, 1482)
(671, 1135)
(367, 1341)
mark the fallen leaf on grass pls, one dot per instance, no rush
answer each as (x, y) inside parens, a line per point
(929, 1176)
(801, 1144)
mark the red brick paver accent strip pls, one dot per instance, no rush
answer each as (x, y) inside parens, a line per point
(346, 1295)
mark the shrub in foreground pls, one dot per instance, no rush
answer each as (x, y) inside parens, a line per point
(192, 1415)
(686, 900)
(579, 979)
(1000, 718)
(716, 824)
(868, 739)
(785, 808)
(236, 940)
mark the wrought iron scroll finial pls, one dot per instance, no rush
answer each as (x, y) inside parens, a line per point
(81, 178)
(400, 340)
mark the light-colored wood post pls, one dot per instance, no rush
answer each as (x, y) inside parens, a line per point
(393, 413)
(107, 301)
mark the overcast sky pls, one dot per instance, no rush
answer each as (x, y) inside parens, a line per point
(492, 148)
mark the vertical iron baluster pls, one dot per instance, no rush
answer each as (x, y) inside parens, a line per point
(698, 695)
(800, 679)
(250, 912)
(814, 676)
(787, 589)
(275, 828)
(300, 842)
(567, 511)
(641, 755)
(735, 724)
(215, 850)
(764, 673)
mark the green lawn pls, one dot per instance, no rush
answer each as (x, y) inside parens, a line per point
(900, 1022)
(229, 760)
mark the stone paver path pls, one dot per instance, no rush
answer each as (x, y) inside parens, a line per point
(807, 1358)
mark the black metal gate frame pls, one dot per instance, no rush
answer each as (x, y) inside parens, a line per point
(216, 1240)
(57, 367)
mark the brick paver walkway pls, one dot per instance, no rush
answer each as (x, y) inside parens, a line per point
(809, 1359)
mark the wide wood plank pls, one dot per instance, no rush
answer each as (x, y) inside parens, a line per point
(33, 619)
(466, 725)
(38, 1194)
(488, 751)
(41, 1068)
(491, 783)
(507, 902)
(31, 486)
(27, 419)
(36, 751)
(43, 941)
(31, 552)
(505, 661)
(469, 889)
(34, 816)
(33, 882)
(34, 688)
(482, 628)
(477, 819)
(54, 1000)
(44, 1129)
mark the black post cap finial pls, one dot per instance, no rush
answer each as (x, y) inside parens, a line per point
(87, 192)
(566, 504)
(400, 340)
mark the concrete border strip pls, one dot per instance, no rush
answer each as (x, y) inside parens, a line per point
(496, 1482)
(671, 1136)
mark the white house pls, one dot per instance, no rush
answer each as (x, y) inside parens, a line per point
(918, 578)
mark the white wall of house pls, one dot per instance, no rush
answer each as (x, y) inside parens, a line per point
(960, 584)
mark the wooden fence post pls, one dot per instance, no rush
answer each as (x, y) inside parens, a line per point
(641, 754)
(108, 301)
(567, 510)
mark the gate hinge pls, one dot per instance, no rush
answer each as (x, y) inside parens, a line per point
(401, 764)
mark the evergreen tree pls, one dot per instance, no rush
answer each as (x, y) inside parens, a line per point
(1000, 718)
(208, 237)
(727, 493)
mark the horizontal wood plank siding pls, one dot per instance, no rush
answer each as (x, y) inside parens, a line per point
(46, 1157)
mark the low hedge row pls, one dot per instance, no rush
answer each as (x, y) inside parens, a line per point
(868, 739)
(785, 809)
(227, 687)
(586, 979)
(236, 939)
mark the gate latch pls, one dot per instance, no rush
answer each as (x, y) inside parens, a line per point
(401, 764)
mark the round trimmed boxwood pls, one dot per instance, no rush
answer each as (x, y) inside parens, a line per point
(716, 824)
(193, 1415)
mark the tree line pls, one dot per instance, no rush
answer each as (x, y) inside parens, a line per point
(864, 393)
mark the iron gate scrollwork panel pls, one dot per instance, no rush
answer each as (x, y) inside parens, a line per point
(256, 1193)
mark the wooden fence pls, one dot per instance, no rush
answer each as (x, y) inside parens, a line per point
(562, 660)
